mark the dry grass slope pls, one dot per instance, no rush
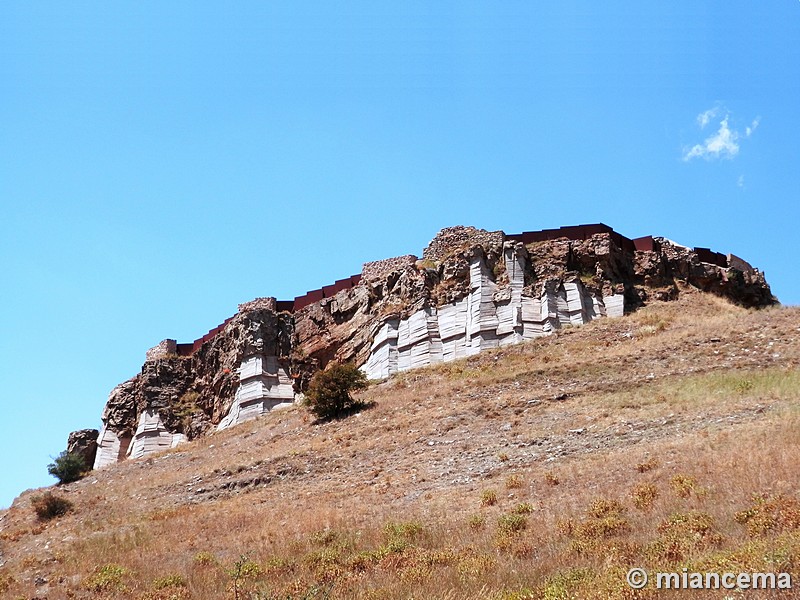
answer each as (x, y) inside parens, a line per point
(665, 439)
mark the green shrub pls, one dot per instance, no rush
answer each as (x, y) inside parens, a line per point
(67, 467)
(684, 535)
(777, 513)
(243, 570)
(169, 581)
(643, 495)
(488, 498)
(407, 530)
(328, 394)
(514, 482)
(601, 508)
(108, 578)
(523, 508)
(205, 558)
(49, 506)
(685, 485)
(551, 478)
(512, 523)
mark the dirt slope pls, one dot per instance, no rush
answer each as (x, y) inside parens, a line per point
(540, 470)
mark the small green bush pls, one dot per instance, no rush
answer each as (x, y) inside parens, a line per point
(488, 498)
(523, 508)
(49, 506)
(685, 485)
(643, 495)
(514, 482)
(328, 394)
(108, 578)
(67, 467)
(776, 513)
(512, 523)
(477, 522)
(169, 581)
(407, 530)
(205, 558)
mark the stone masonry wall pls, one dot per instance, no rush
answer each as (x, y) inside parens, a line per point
(162, 349)
(379, 269)
(267, 303)
(453, 237)
(476, 289)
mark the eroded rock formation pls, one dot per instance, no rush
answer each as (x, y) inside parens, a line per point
(83, 443)
(472, 290)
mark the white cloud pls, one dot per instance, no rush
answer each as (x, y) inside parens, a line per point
(724, 143)
(704, 117)
(740, 181)
(748, 131)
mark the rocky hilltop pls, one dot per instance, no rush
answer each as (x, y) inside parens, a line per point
(471, 290)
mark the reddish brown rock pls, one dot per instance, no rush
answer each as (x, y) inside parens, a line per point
(192, 387)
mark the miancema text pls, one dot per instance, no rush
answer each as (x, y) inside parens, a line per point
(727, 581)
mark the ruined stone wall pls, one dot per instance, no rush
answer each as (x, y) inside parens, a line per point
(379, 269)
(162, 349)
(459, 236)
(267, 303)
(474, 290)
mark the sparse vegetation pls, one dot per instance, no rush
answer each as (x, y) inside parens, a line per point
(770, 513)
(695, 467)
(169, 581)
(651, 323)
(477, 522)
(108, 578)
(523, 508)
(648, 465)
(205, 558)
(241, 572)
(185, 407)
(513, 523)
(643, 495)
(5, 582)
(684, 485)
(329, 393)
(48, 506)
(488, 498)
(67, 467)
(550, 478)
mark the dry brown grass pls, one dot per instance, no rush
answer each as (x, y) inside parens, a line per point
(665, 439)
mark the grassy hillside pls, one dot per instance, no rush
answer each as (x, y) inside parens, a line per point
(665, 439)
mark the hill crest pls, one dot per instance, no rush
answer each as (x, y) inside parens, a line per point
(472, 290)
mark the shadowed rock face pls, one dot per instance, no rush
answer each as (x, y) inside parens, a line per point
(472, 290)
(83, 443)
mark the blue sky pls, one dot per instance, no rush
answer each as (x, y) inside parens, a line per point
(161, 162)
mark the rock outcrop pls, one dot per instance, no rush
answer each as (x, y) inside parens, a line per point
(472, 289)
(83, 443)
